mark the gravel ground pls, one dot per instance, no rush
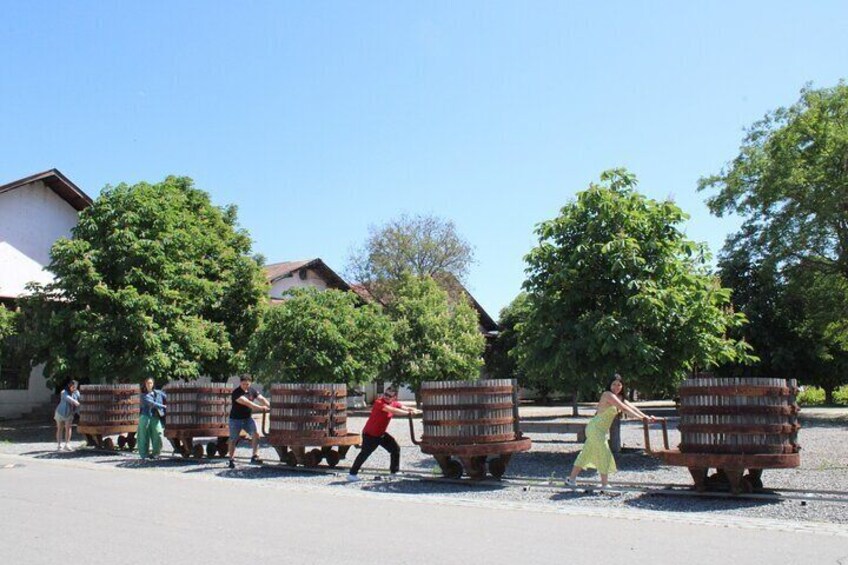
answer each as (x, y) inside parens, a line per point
(824, 461)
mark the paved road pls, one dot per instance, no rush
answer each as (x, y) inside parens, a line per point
(70, 511)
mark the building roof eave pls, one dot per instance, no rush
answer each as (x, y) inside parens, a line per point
(58, 183)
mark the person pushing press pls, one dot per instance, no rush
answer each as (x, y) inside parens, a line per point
(245, 399)
(374, 433)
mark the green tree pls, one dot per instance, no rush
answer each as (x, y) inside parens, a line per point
(156, 281)
(8, 323)
(774, 313)
(500, 363)
(320, 337)
(790, 184)
(616, 287)
(437, 339)
(422, 245)
(503, 355)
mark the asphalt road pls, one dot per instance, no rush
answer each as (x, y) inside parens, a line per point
(55, 511)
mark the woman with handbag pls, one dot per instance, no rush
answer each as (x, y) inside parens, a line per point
(150, 420)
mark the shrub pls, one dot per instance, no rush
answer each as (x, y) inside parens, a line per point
(811, 396)
(840, 395)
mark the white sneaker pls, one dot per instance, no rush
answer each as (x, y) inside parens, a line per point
(68, 447)
(59, 447)
(569, 482)
(353, 479)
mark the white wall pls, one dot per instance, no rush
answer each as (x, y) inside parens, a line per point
(15, 403)
(32, 218)
(294, 281)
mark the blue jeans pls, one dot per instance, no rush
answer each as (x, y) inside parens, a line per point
(236, 426)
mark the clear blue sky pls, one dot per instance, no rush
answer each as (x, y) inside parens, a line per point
(319, 118)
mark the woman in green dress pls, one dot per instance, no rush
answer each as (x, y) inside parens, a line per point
(596, 453)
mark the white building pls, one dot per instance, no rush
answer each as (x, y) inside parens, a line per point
(34, 212)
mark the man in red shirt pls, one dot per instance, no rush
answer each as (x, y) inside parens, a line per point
(374, 433)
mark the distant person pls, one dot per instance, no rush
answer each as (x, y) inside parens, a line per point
(245, 399)
(596, 453)
(150, 420)
(64, 415)
(374, 433)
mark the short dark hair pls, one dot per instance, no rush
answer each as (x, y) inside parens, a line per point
(390, 390)
(246, 378)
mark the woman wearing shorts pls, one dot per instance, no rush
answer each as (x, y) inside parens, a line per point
(64, 415)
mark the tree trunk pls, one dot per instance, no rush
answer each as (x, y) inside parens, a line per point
(575, 397)
(615, 435)
(828, 395)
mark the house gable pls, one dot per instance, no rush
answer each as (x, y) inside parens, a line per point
(298, 274)
(34, 213)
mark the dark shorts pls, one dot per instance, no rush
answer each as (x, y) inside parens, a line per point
(236, 426)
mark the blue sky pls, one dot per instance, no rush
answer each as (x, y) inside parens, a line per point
(319, 119)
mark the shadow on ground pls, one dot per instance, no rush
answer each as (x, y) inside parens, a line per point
(581, 494)
(247, 471)
(165, 463)
(416, 486)
(69, 455)
(685, 505)
(29, 432)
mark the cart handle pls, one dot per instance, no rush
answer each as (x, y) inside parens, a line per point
(645, 425)
(412, 432)
(266, 427)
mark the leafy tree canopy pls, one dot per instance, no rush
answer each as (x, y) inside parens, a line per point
(503, 357)
(788, 264)
(8, 320)
(790, 182)
(499, 363)
(437, 339)
(321, 337)
(422, 245)
(7, 323)
(615, 286)
(156, 281)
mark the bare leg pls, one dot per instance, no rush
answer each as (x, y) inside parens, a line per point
(58, 434)
(69, 428)
(574, 472)
(254, 442)
(232, 450)
(604, 480)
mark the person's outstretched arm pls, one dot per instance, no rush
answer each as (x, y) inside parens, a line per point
(403, 411)
(641, 414)
(625, 406)
(252, 405)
